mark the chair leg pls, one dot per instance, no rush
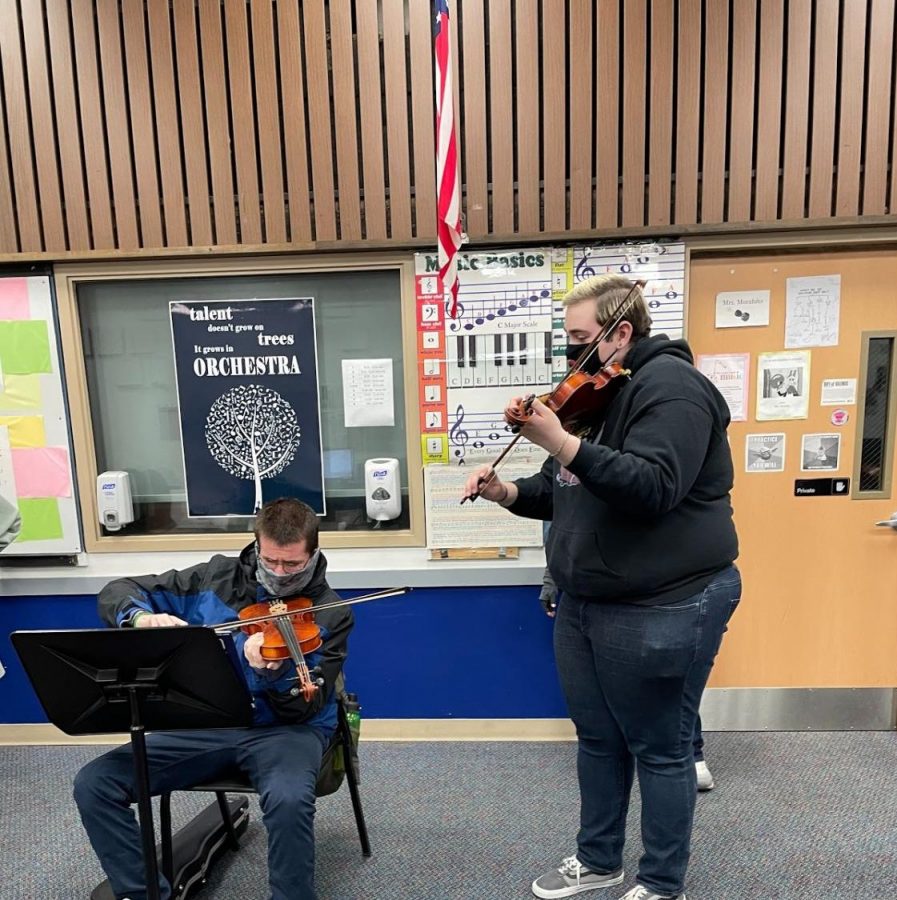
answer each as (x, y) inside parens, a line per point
(352, 778)
(165, 829)
(226, 817)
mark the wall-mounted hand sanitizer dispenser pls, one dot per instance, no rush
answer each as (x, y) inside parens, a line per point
(114, 505)
(382, 489)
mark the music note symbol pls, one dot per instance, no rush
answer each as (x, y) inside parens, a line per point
(583, 269)
(458, 435)
(454, 323)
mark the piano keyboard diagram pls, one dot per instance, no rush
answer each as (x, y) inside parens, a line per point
(492, 360)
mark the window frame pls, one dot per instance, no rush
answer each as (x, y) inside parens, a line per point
(884, 493)
(69, 276)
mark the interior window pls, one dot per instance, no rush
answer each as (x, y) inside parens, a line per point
(126, 333)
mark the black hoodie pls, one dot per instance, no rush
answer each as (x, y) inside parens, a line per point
(642, 514)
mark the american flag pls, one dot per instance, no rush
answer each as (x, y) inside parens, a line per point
(448, 190)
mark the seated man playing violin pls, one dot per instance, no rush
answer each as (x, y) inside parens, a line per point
(281, 753)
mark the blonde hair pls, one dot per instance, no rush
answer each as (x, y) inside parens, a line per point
(608, 292)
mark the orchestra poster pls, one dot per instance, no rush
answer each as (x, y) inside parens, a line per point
(247, 386)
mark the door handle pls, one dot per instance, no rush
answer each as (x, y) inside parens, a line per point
(889, 523)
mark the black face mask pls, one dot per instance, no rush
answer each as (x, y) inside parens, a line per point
(594, 363)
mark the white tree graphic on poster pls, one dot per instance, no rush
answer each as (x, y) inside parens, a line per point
(252, 432)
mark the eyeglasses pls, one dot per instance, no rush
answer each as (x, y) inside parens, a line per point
(288, 566)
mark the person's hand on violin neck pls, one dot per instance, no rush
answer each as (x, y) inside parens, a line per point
(490, 487)
(156, 620)
(252, 652)
(544, 428)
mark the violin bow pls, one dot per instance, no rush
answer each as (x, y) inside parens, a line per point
(224, 627)
(606, 330)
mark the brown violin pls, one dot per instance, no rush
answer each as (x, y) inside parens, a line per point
(290, 630)
(290, 635)
(577, 400)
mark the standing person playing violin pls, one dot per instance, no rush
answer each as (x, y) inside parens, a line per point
(281, 753)
(642, 548)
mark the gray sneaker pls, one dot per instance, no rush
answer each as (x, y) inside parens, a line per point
(643, 893)
(572, 877)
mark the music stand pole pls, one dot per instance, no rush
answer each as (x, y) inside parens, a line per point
(144, 804)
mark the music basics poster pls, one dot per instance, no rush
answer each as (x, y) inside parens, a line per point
(249, 411)
(508, 340)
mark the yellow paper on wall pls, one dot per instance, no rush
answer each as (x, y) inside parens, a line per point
(434, 448)
(20, 392)
(25, 431)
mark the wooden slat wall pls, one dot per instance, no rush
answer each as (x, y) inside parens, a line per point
(164, 125)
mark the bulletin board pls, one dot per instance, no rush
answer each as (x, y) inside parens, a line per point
(35, 443)
(507, 339)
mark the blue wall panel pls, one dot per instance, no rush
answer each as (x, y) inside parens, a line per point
(434, 653)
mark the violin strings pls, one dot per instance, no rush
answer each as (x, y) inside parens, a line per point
(377, 595)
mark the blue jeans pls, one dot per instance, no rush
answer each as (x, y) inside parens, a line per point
(633, 678)
(282, 762)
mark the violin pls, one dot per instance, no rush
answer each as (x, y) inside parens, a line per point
(579, 399)
(290, 635)
(290, 631)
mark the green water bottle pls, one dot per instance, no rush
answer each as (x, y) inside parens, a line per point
(353, 717)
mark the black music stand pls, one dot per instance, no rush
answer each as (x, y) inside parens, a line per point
(135, 680)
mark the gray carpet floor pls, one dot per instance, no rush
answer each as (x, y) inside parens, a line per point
(793, 817)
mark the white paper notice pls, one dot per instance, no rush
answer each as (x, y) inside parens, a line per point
(783, 385)
(839, 391)
(729, 372)
(812, 311)
(481, 523)
(740, 309)
(367, 392)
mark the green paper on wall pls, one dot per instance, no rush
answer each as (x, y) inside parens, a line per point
(24, 347)
(40, 520)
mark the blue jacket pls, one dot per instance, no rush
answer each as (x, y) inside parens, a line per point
(213, 593)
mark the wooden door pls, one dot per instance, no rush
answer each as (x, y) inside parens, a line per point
(820, 579)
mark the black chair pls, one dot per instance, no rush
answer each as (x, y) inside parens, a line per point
(236, 783)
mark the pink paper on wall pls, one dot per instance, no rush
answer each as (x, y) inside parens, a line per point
(41, 472)
(14, 299)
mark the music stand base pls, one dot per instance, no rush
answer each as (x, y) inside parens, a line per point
(195, 847)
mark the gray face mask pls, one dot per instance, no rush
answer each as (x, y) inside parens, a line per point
(288, 585)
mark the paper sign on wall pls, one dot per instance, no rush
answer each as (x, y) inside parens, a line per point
(812, 311)
(729, 372)
(783, 383)
(820, 451)
(764, 453)
(839, 391)
(739, 309)
(367, 393)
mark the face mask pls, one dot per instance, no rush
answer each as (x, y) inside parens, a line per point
(594, 364)
(287, 585)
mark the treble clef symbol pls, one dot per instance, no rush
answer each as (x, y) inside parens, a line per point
(458, 436)
(454, 324)
(583, 269)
